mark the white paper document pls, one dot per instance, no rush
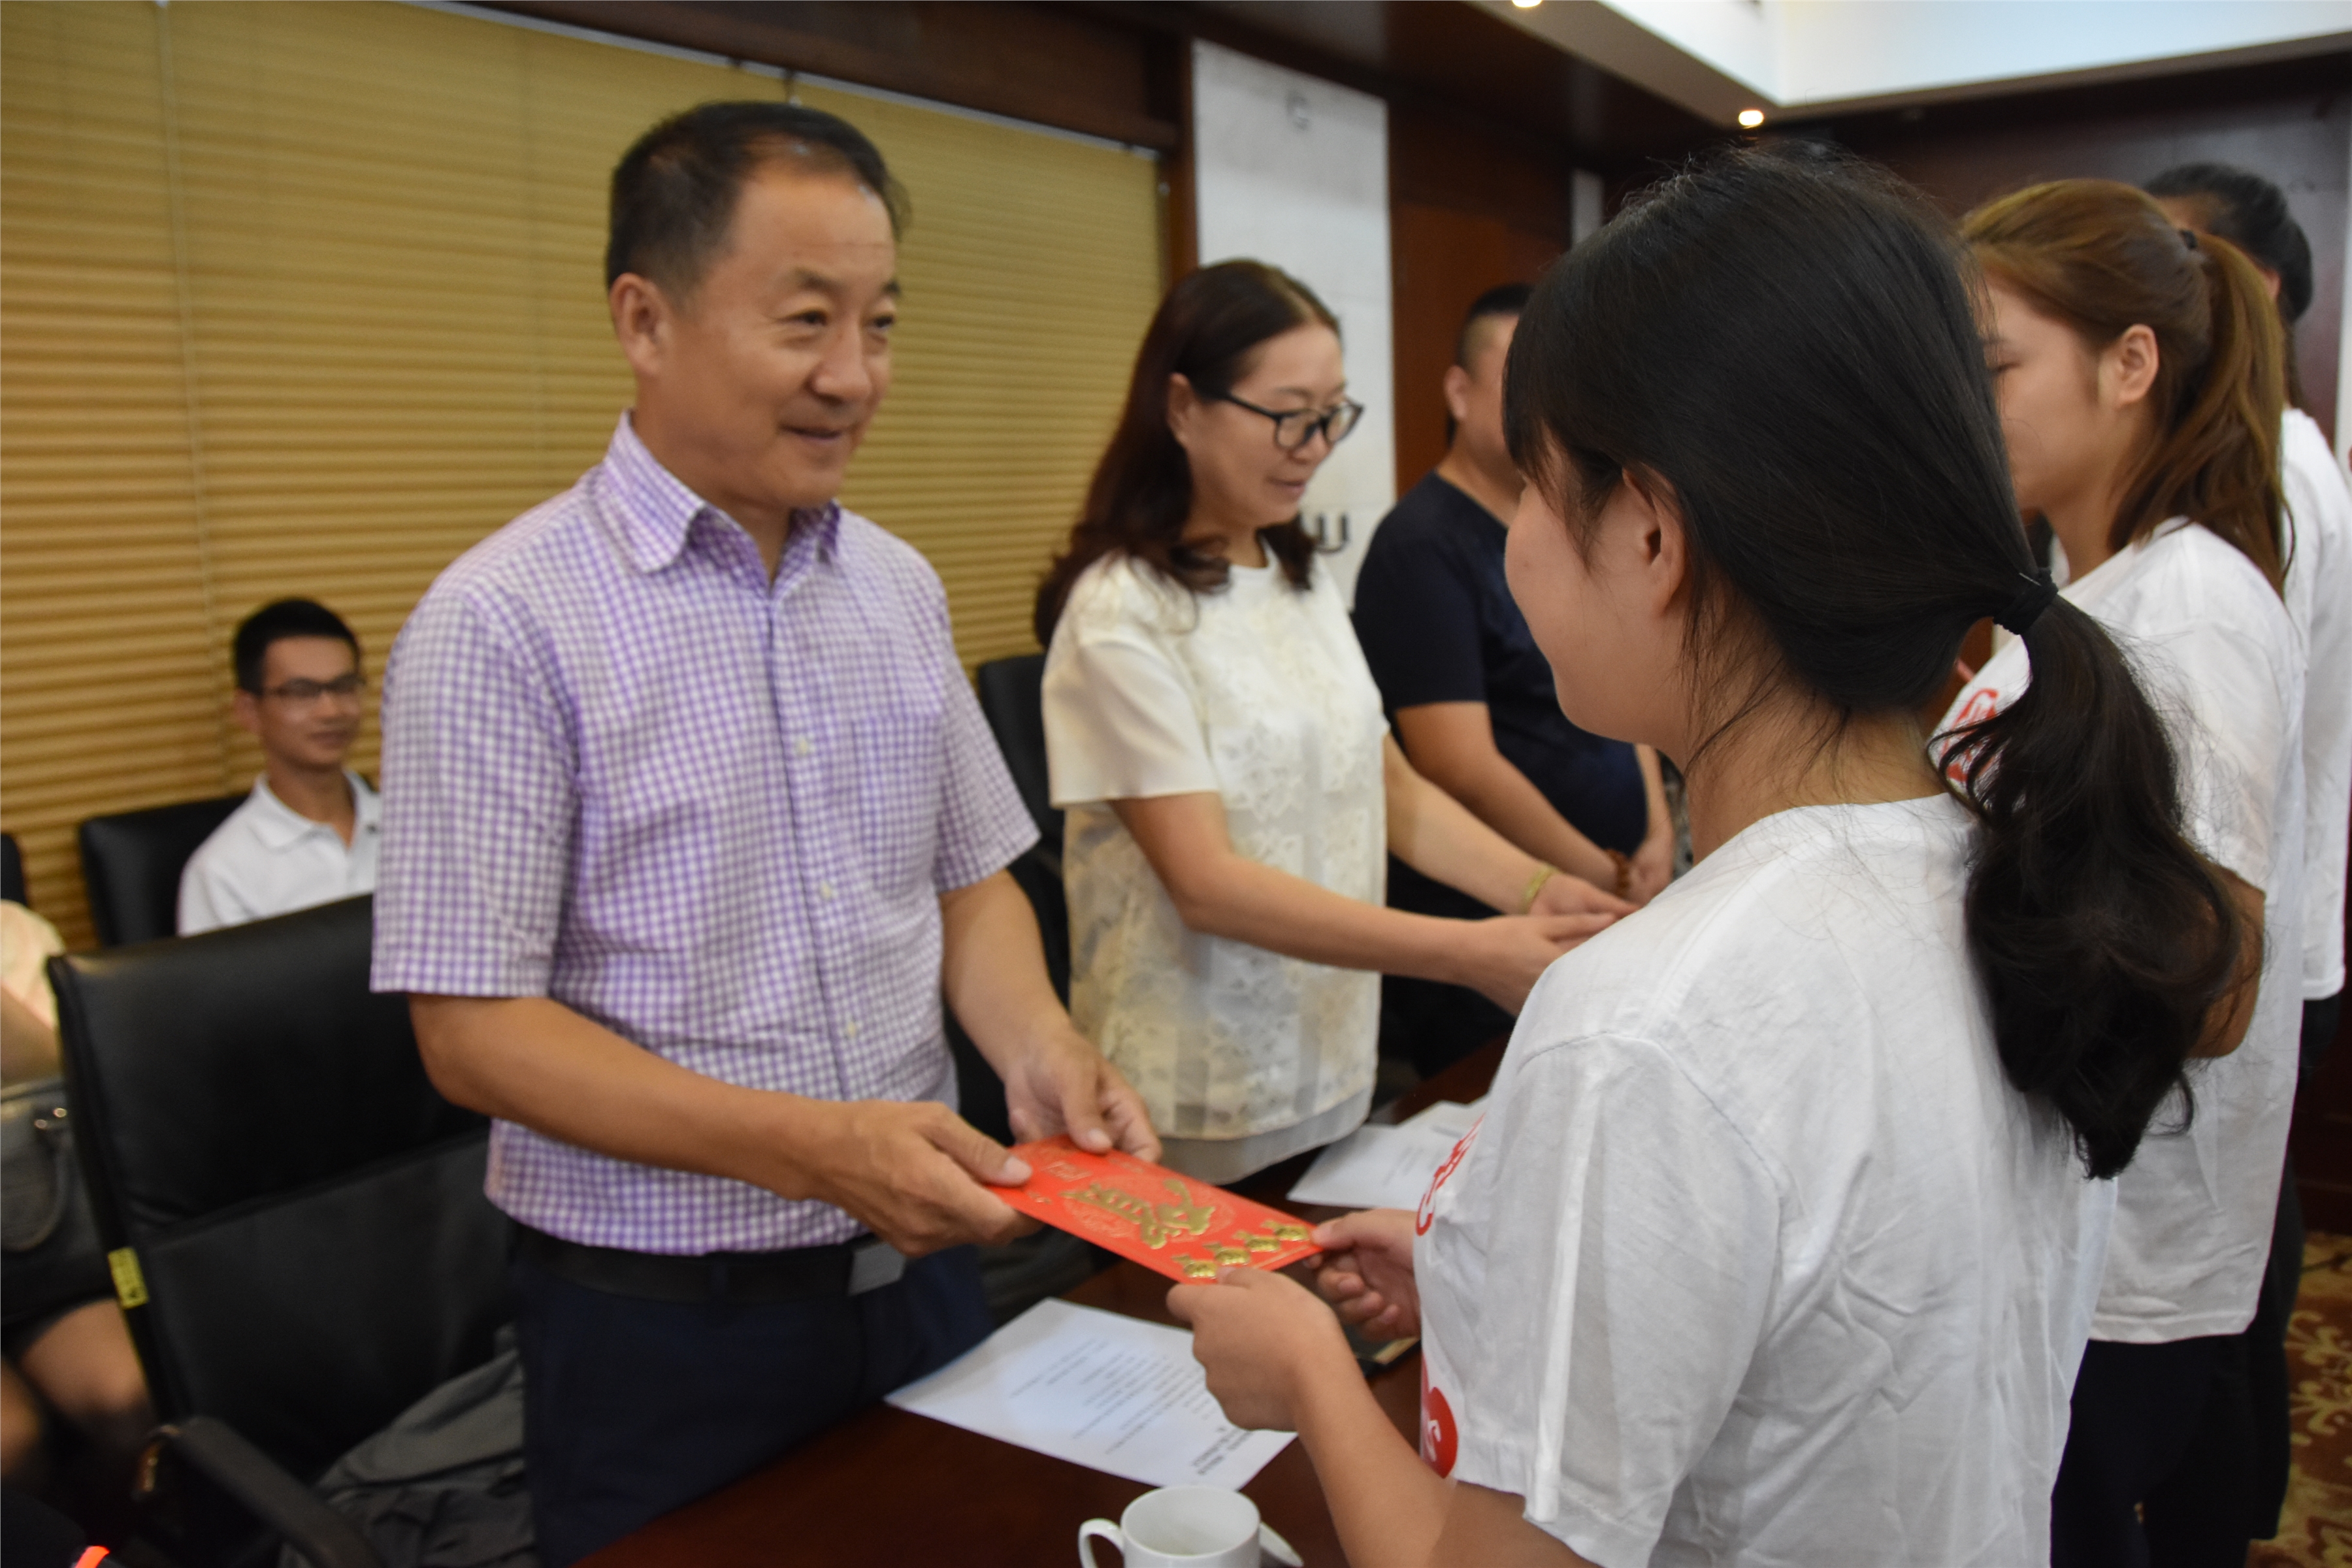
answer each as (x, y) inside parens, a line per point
(1377, 1167)
(1112, 1393)
(1450, 1117)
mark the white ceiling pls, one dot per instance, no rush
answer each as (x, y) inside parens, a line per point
(1716, 57)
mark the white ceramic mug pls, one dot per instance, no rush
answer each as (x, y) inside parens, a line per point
(1187, 1527)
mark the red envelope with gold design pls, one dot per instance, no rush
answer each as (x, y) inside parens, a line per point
(1183, 1228)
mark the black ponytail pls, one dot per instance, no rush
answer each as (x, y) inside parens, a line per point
(1790, 348)
(2105, 942)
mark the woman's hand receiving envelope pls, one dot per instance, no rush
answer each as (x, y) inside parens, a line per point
(1268, 1345)
(1366, 1271)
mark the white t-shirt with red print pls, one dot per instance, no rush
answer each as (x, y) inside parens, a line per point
(2214, 649)
(1756, 1255)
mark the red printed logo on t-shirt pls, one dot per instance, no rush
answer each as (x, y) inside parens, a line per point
(1427, 1213)
(1439, 1438)
(1982, 706)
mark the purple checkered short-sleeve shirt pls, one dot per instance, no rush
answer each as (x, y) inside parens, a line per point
(626, 770)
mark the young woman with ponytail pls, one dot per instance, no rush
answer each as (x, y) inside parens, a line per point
(2250, 212)
(2138, 372)
(1780, 1241)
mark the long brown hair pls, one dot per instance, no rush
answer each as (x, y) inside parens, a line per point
(1205, 331)
(2103, 257)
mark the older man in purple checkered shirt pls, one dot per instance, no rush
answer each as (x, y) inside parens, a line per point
(691, 817)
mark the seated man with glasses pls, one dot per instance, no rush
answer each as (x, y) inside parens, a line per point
(307, 833)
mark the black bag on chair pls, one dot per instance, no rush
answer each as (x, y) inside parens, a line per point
(50, 1256)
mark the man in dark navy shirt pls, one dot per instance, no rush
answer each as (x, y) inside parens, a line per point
(1471, 696)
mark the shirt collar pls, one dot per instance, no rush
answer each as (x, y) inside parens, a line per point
(278, 826)
(656, 513)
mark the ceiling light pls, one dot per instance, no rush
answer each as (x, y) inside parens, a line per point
(1750, 119)
(1527, 5)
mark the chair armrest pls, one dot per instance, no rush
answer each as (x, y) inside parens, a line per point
(213, 1449)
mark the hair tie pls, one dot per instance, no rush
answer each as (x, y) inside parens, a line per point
(2189, 237)
(2025, 609)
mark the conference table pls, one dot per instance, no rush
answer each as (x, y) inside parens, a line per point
(889, 1487)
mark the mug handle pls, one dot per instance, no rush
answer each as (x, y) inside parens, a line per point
(1095, 1529)
(1273, 1546)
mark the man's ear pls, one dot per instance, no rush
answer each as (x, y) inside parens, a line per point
(1457, 393)
(643, 317)
(2127, 367)
(245, 708)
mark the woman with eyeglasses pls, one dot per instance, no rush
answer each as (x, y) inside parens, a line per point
(1231, 791)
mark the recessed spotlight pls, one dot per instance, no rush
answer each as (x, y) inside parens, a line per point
(1750, 119)
(1527, 5)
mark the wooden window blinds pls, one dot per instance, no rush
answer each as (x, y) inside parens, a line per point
(306, 298)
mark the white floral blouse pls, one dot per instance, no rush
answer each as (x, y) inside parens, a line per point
(1259, 692)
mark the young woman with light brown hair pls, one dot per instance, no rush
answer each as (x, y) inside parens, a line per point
(2137, 369)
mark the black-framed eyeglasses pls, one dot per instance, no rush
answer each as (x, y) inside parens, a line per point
(302, 693)
(1294, 427)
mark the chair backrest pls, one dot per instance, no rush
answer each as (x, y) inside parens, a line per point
(1012, 694)
(132, 862)
(296, 1217)
(12, 871)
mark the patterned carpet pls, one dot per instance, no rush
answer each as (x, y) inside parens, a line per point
(2317, 1527)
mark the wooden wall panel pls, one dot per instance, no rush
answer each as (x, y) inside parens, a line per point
(2292, 122)
(1468, 208)
(1443, 258)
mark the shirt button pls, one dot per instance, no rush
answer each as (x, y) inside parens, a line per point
(801, 747)
(824, 891)
(849, 1030)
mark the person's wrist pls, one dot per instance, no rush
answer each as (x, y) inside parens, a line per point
(1328, 1391)
(1591, 864)
(801, 1145)
(1456, 951)
(1539, 874)
(1621, 874)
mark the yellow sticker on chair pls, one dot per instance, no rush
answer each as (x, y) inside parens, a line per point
(130, 1284)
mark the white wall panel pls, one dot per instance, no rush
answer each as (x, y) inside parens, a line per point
(1294, 171)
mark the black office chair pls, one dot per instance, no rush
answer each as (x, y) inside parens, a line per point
(295, 1218)
(1020, 1274)
(1012, 695)
(12, 871)
(132, 862)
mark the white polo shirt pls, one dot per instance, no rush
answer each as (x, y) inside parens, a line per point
(269, 859)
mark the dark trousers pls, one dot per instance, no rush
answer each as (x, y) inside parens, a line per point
(2159, 1466)
(2267, 1368)
(2269, 1389)
(632, 1408)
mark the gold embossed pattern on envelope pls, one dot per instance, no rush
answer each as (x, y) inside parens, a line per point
(1183, 1228)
